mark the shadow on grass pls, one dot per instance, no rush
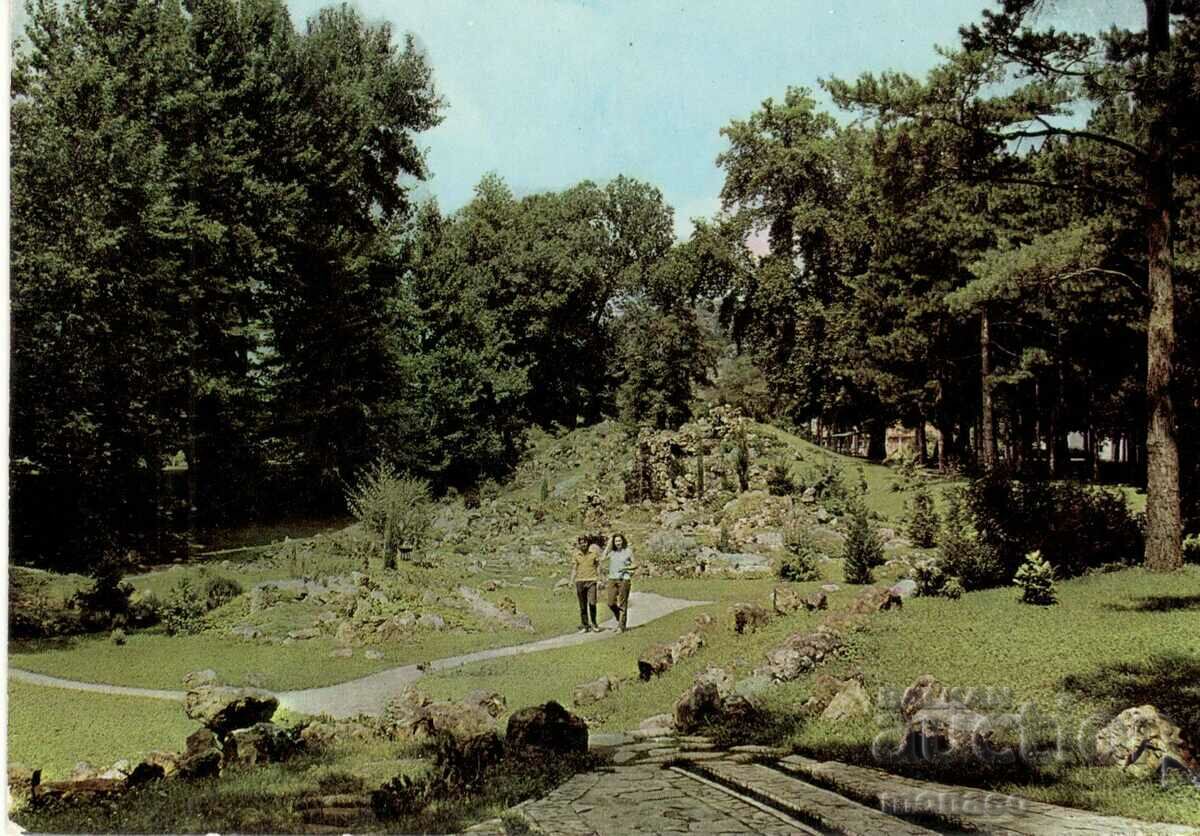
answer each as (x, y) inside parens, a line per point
(1171, 683)
(1159, 603)
(24, 646)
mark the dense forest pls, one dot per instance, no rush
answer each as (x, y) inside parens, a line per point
(218, 261)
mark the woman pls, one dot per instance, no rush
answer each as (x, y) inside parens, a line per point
(620, 572)
(585, 574)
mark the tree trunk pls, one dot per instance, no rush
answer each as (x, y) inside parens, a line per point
(987, 418)
(921, 441)
(877, 441)
(1163, 527)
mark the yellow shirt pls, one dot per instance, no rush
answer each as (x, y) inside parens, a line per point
(587, 564)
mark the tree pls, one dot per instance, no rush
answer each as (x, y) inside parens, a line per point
(1053, 70)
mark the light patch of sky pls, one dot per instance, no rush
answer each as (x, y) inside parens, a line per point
(550, 92)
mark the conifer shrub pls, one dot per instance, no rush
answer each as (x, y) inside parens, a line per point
(394, 507)
(779, 479)
(741, 461)
(863, 551)
(923, 521)
(963, 554)
(1035, 577)
(802, 562)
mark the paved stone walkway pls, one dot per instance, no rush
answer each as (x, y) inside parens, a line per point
(369, 694)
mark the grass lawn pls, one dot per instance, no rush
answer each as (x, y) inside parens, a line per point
(1113, 641)
(53, 728)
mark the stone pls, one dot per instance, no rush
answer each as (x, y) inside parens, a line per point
(875, 599)
(739, 563)
(144, 773)
(457, 720)
(305, 634)
(592, 692)
(492, 702)
(815, 601)
(824, 689)
(753, 685)
(119, 771)
(951, 730)
(548, 726)
(84, 771)
(686, 646)
(850, 702)
(202, 755)
(373, 654)
(246, 632)
(904, 589)
(168, 762)
(830, 587)
(718, 677)
(786, 601)
(488, 611)
(697, 706)
(748, 617)
(809, 497)
(344, 634)
(431, 621)
(925, 692)
(705, 621)
(223, 708)
(886, 535)
(654, 661)
(1141, 742)
(660, 725)
(823, 515)
(87, 791)
(341, 653)
(785, 664)
(404, 712)
(769, 539)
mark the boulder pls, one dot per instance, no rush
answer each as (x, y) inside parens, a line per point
(84, 771)
(305, 634)
(830, 587)
(246, 632)
(769, 539)
(815, 601)
(1141, 742)
(904, 589)
(748, 617)
(785, 664)
(457, 720)
(718, 677)
(809, 497)
(168, 762)
(654, 662)
(373, 654)
(320, 734)
(144, 773)
(925, 692)
(119, 771)
(223, 708)
(404, 713)
(260, 743)
(485, 609)
(344, 634)
(492, 702)
(660, 725)
(202, 756)
(697, 706)
(824, 689)
(705, 622)
(786, 601)
(341, 653)
(548, 726)
(851, 701)
(875, 599)
(592, 692)
(950, 730)
(685, 646)
(431, 621)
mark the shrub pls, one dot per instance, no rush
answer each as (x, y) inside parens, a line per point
(184, 609)
(724, 541)
(107, 598)
(1036, 579)
(1080, 528)
(144, 608)
(802, 563)
(219, 591)
(923, 520)
(396, 508)
(953, 589)
(929, 578)
(779, 479)
(1191, 548)
(544, 490)
(961, 553)
(863, 551)
(118, 636)
(742, 461)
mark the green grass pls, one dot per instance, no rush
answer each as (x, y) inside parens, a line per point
(1113, 641)
(53, 728)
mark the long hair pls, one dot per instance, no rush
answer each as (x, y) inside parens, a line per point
(624, 541)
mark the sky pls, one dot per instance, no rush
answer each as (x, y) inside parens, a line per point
(547, 93)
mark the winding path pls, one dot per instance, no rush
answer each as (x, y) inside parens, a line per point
(369, 694)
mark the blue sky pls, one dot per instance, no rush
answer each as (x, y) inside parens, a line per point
(550, 92)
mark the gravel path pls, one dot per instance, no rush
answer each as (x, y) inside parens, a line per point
(370, 694)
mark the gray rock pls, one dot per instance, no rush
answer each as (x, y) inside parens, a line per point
(305, 634)
(492, 702)
(748, 617)
(431, 621)
(488, 611)
(260, 743)
(373, 654)
(852, 701)
(948, 731)
(925, 692)
(202, 756)
(223, 708)
(1140, 741)
(341, 653)
(245, 632)
(769, 539)
(592, 692)
(548, 726)
(344, 635)
(698, 705)
(904, 589)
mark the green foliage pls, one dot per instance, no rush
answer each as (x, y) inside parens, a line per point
(117, 636)
(660, 355)
(741, 460)
(1191, 548)
(724, 540)
(929, 577)
(802, 562)
(779, 479)
(396, 508)
(106, 602)
(544, 491)
(962, 553)
(218, 591)
(1035, 577)
(183, 610)
(923, 522)
(863, 551)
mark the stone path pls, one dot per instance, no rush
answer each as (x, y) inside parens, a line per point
(369, 694)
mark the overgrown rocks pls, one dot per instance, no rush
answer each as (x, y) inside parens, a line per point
(948, 731)
(698, 705)
(202, 756)
(875, 599)
(748, 617)
(550, 727)
(488, 611)
(259, 743)
(925, 692)
(660, 725)
(850, 702)
(786, 601)
(654, 661)
(592, 692)
(1141, 742)
(492, 702)
(223, 708)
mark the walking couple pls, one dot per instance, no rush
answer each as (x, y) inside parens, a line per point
(585, 573)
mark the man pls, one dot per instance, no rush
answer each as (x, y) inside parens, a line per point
(620, 573)
(585, 574)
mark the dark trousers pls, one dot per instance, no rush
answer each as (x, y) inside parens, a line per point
(585, 591)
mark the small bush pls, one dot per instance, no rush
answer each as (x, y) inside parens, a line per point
(724, 540)
(802, 563)
(962, 555)
(1035, 577)
(742, 461)
(117, 636)
(1191, 548)
(184, 609)
(219, 591)
(107, 599)
(779, 479)
(863, 551)
(396, 508)
(544, 490)
(953, 589)
(929, 578)
(923, 522)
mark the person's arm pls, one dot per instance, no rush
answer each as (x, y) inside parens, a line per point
(573, 568)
